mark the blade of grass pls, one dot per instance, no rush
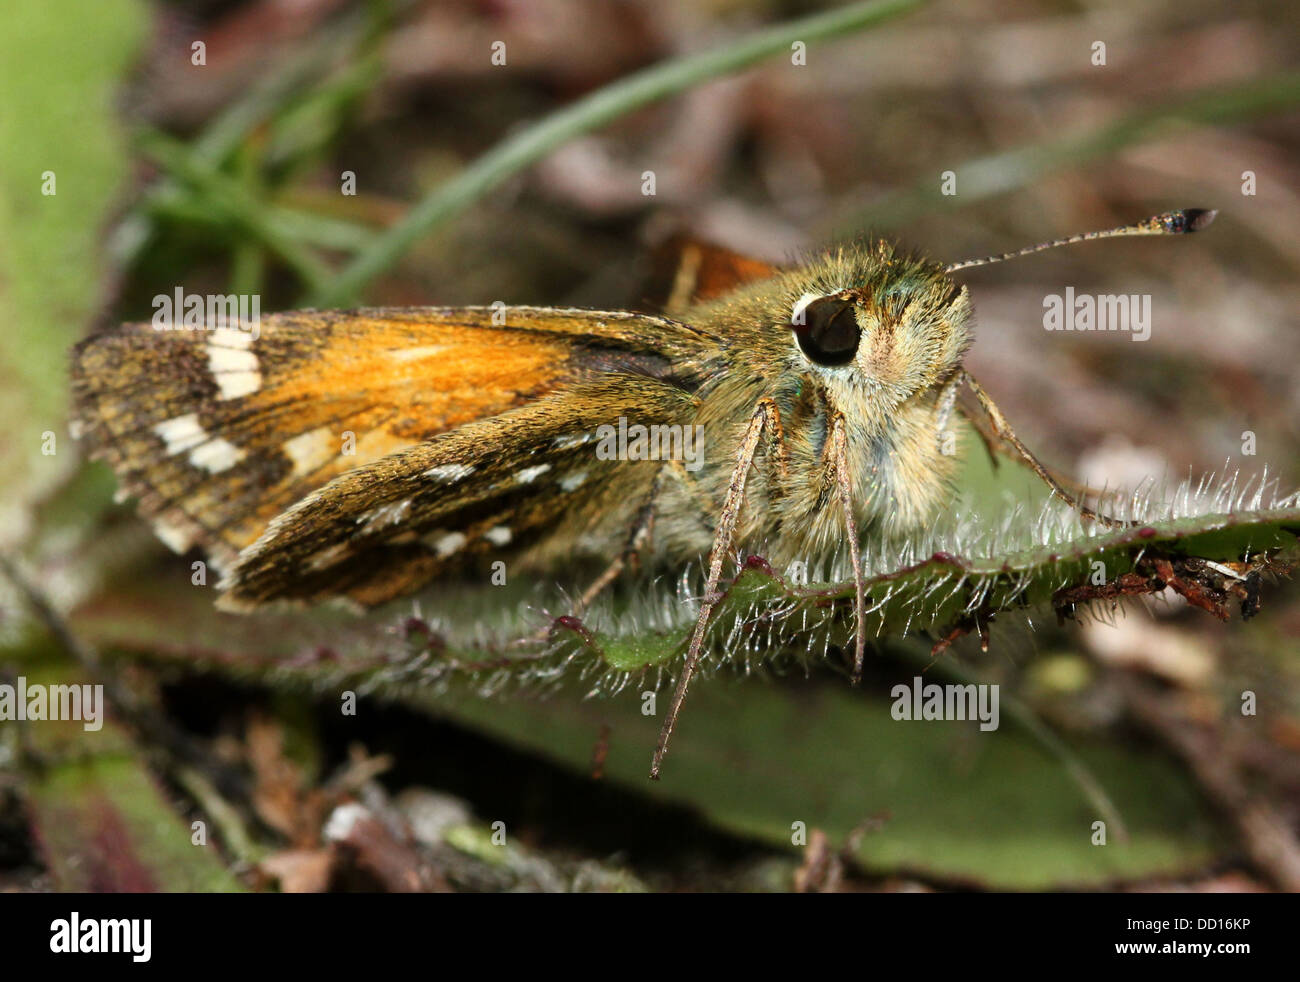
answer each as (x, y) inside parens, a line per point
(305, 227)
(230, 198)
(347, 37)
(603, 106)
(248, 257)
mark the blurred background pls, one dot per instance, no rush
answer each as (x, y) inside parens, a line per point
(207, 145)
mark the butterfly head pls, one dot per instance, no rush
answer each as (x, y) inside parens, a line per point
(870, 319)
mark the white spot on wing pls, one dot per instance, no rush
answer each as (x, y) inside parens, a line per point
(182, 433)
(213, 453)
(449, 543)
(498, 535)
(571, 440)
(312, 450)
(228, 337)
(571, 482)
(385, 515)
(173, 537)
(448, 473)
(327, 556)
(217, 455)
(530, 474)
(232, 385)
(418, 353)
(233, 365)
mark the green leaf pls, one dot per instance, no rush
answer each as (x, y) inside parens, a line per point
(100, 820)
(991, 808)
(994, 808)
(57, 132)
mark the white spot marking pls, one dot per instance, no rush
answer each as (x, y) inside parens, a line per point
(213, 453)
(173, 537)
(448, 473)
(182, 433)
(571, 482)
(327, 556)
(312, 450)
(529, 474)
(236, 384)
(572, 440)
(384, 515)
(217, 455)
(228, 337)
(449, 543)
(499, 535)
(232, 363)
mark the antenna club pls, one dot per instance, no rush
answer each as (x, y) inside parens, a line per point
(1198, 218)
(1182, 222)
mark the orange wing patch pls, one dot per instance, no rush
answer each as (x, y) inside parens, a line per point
(417, 380)
(217, 432)
(690, 271)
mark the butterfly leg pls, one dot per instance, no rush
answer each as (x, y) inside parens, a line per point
(844, 484)
(776, 458)
(637, 538)
(724, 534)
(1004, 432)
(996, 449)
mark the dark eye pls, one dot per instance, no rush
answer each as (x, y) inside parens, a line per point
(829, 333)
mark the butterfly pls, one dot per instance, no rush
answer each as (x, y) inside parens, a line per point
(362, 454)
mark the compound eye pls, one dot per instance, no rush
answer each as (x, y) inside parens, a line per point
(829, 334)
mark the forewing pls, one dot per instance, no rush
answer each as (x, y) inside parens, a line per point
(219, 431)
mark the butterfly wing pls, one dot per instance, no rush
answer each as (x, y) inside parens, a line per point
(218, 432)
(687, 270)
(492, 487)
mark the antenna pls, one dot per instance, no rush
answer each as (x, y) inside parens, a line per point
(1170, 223)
